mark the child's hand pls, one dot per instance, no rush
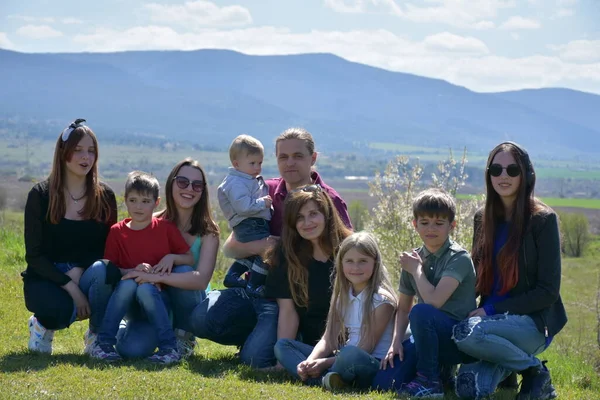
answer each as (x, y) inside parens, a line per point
(268, 201)
(165, 265)
(410, 261)
(301, 369)
(145, 267)
(315, 368)
(75, 274)
(389, 357)
(479, 312)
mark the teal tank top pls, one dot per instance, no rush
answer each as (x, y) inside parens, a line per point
(195, 249)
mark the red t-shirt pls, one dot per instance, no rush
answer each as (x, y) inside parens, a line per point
(127, 248)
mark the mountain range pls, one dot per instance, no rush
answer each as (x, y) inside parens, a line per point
(210, 96)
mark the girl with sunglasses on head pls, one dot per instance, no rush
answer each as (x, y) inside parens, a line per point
(188, 206)
(516, 251)
(67, 220)
(301, 267)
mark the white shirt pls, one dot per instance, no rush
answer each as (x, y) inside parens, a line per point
(353, 320)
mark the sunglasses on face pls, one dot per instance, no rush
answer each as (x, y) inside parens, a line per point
(183, 183)
(511, 169)
(308, 188)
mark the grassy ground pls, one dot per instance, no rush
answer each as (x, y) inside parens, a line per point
(214, 372)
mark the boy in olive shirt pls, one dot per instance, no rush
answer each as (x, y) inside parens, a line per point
(441, 274)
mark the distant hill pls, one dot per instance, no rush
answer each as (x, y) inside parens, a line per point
(210, 96)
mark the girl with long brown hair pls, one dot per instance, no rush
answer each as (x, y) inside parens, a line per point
(302, 266)
(67, 219)
(516, 250)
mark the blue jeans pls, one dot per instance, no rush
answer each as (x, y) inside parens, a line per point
(150, 300)
(503, 343)
(251, 229)
(402, 372)
(231, 317)
(93, 284)
(355, 366)
(183, 302)
(432, 332)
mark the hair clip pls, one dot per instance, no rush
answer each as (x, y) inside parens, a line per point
(79, 122)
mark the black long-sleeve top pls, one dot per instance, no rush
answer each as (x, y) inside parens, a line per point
(75, 241)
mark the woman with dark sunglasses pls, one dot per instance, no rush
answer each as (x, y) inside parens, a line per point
(188, 206)
(516, 250)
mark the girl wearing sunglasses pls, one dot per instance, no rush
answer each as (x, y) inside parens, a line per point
(188, 206)
(516, 251)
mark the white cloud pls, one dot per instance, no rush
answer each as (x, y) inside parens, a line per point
(579, 51)
(456, 44)
(458, 13)
(38, 32)
(199, 14)
(28, 18)
(520, 23)
(463, 61)
(5, 42)
(71, 21)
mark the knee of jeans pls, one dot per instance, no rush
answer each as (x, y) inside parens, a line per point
(421, 312)
(145, 291)
(350, 354)
(467, 333)
(98, 269)
(280, 347)
(466, 385)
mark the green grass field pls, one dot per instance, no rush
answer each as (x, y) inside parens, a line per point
(214, 372)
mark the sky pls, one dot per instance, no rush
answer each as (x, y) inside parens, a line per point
(484, 45)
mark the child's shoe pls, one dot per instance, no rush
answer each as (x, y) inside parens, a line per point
(166, 356)
(186, 343)
(258, 291)
(423, 388)
(333, 381)
(40, 338)
(89, 341)
(105, 352)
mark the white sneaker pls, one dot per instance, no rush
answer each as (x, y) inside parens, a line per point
(89, 341)
(186, 343)
(40, 338)
(333, 381)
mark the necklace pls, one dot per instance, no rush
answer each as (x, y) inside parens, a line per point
(76, 199)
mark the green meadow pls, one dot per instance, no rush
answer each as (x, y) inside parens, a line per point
(214, 372)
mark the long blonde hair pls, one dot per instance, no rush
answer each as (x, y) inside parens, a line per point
(295, 251)
(96, 205)
(379, 283)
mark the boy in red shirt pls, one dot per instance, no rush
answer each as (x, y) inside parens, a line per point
(148, 244)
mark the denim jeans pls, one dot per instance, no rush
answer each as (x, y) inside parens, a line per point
(290, 353)
(150, 300)
(503, 343)
(231, 317)
(403, 371)
(432, 332)
(251, 229)
(183, 301)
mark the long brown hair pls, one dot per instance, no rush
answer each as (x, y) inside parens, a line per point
(202, 222)
(524, 206)
(296, 251)
(379, 283)
(96, 205)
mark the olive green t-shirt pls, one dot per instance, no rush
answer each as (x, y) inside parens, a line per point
(453, 261)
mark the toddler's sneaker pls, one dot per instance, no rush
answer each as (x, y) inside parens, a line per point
(333, 381)
(105, 352)
(40, 338)
(423, 388)
(89, 341)
(186, 343)
(165, 356)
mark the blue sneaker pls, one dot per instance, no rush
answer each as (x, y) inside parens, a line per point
(536, 384)
(423, 388)
(105, 352)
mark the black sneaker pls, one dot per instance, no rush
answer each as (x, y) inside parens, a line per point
(536, 384)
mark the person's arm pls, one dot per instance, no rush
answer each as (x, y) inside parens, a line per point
(342, 209)
(405, 303)
(35, 256)
(382, 317)
(288, 320)
(548, 268)
(234, 249)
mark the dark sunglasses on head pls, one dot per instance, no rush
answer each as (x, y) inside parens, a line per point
(511, 169)
(183, 183)
(315, 187)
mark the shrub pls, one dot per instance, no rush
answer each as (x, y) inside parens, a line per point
(394, 191)
(575, 231)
